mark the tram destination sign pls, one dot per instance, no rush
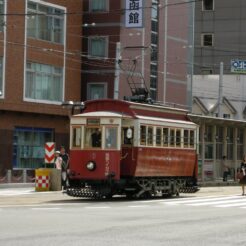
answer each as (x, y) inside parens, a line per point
(238, 66)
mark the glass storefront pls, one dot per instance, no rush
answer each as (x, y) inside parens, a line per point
(28, 146)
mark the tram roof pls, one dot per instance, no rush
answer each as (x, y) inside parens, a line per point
(132, 109)
(102, 114)
(146, 118)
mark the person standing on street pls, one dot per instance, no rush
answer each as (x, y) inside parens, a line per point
(58, 160)
(65, 165)
(225, 168)
(242, 175)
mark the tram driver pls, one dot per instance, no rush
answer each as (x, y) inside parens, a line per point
(96, 138)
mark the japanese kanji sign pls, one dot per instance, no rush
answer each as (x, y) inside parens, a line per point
(134, 13)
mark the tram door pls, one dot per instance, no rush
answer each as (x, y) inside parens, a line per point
(127, 151)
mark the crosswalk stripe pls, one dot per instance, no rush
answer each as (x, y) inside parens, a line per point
(239, 204)
(219, 202)
(205, 199)
(215, 202)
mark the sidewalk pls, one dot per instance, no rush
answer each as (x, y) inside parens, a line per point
(16, 185)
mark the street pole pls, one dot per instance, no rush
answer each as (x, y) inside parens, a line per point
(165, 54)
(117, 72)
(220, 89)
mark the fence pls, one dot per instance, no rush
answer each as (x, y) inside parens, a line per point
(17, 176)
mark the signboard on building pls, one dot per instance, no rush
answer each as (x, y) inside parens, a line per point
(134, 13)
(238, 66)
(49, 152)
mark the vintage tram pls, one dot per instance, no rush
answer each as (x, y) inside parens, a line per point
(134, 149)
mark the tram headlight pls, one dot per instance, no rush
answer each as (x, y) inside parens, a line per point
(91, 165)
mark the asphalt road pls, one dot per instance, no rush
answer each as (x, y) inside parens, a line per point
(213, 216)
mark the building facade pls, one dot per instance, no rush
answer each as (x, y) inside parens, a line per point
(143, 44)
(219, 90)
(40, 56)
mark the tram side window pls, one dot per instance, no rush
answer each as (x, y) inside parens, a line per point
(186, 138)
(192, 139)
(127, 135)
(111, 137)
(93, 137)
(143, 135)
(172, 137)
(178, 138)
(150, 135)
(165, 137)
(158, 137)
(76, 137)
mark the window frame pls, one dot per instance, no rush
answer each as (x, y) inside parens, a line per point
(90, 55)
(99, 10)
(202, 40)
(51, 18)
(89, 85)
(205, 9)
(33, 70)
(81, 137)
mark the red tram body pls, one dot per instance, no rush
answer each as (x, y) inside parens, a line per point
(121, 147)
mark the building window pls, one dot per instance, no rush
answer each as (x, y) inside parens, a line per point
(44, 82)
(1, 77)
(219, 142)
(28, 146)
(98, 5)
(230, 145)
(45, 22)
(207, 5)
(207, 40)
(206, 71)
(98, 47)
(226, 116)
(2, 21)
(240, 139)
(96, 91)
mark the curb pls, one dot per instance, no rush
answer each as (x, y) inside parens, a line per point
(17, 185)
(218, 184)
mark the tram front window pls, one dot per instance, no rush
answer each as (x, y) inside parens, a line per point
(93, 137)
(111, 137)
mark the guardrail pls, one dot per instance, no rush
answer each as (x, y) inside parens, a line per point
(17, 176)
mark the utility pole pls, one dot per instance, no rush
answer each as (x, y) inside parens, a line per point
(117, 72)
(220, 89)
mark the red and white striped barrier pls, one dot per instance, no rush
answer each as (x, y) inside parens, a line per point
(49, 152)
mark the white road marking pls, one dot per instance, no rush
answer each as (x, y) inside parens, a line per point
(138, 206)
(219, 202)
(97, 207)
(203, 199)
(46, 208)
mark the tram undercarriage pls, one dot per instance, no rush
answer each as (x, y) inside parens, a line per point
(138, 187)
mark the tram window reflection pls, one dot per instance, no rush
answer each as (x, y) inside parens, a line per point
(126, 139)
(111, 137)
(165, 137)
(76, 137)
(150, 135)
(178, 138)
(172, 137)
(143, 135)
(158, 137)
(93, 137)
(192, 139)
(186, 138)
